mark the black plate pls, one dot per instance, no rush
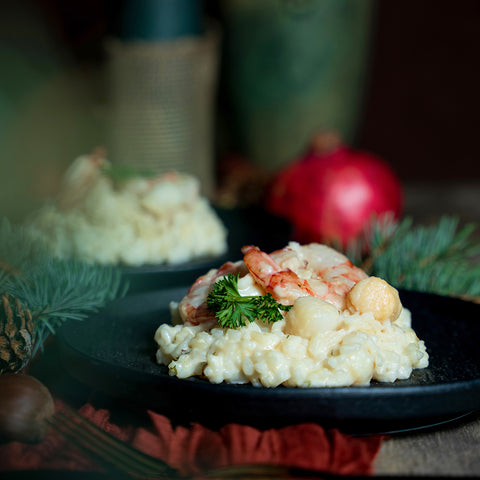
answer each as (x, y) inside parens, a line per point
(114, 352)
(249, 225)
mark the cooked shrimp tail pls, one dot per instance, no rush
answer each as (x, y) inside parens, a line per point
(283, 284)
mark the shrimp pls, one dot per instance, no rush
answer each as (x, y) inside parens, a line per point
(193, 308)
(283, 284)
(80, 177)
(292, 272)
(296, 271)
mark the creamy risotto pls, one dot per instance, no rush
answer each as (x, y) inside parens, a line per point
(343, 328)
(138, 220)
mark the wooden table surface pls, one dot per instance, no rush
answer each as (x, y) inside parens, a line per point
(450, 450)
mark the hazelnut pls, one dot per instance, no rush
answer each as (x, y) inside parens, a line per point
(374, 295)
(25, 405)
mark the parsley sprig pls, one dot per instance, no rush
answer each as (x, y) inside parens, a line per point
(233, 311)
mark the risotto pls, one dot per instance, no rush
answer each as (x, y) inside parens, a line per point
(140, 220)
(343, 328)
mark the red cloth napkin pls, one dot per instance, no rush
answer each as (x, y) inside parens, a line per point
(194, 449)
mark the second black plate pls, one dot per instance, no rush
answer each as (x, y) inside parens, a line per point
(249, 225)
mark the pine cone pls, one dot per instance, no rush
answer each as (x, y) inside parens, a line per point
(17, 335)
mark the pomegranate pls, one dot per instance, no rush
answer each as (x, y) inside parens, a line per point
(331, 192)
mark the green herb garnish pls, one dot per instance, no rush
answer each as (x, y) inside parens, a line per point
(233, 311)
(120, 174)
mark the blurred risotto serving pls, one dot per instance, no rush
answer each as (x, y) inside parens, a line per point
(114, 215)
(302, 316)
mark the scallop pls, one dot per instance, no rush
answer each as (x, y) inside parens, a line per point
(311, 315)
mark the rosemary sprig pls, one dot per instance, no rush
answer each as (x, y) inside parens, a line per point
(232, 310)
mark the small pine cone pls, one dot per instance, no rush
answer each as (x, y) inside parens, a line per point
(16, 334)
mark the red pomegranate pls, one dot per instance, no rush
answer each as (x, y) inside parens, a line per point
(331, 192)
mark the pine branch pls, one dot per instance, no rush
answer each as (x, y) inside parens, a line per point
(54, 290)
(440, 258)
(60, 291)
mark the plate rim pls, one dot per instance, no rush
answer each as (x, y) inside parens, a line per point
(378, 391)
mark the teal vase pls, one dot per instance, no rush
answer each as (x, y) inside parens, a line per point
(292, 68)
